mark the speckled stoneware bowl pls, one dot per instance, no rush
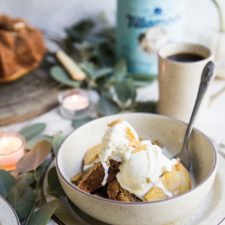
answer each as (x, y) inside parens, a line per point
(169, 133)
(7, 214)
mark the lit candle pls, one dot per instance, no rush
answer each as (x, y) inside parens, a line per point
(74, 103)
(11, 150)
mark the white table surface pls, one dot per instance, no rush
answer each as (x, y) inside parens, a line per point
(213, 126)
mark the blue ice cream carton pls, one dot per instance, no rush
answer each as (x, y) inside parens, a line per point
(143, 26)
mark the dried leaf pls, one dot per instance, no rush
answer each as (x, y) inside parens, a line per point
(42, 215)
(32, 130)
(31, 143)
(106, 107)
(56, 142)
(22, 198)
(34, 158)
(79, 122)
(54, 184)
(7, 181)
(59, 74)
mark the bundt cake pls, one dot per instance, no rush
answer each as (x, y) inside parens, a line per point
(21, 48)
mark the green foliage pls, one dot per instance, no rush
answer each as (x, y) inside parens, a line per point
(7, 181)
(148, 107)
(106, 107)
(96, 51)
(120, 70)
(60, 75)
(22, 198)
(42, 215)
(125, 90)
(32, 130)
(56, 142)
(54, 184)
(79, 122)
(81, 30)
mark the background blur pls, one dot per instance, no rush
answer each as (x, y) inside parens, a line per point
(57, 14)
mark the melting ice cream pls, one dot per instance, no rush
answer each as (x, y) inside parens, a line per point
(142, 163)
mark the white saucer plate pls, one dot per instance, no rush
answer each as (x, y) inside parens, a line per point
(7, 214)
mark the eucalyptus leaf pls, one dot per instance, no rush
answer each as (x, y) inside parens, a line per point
(141, 80)
(125, 90)
(88, 68)
(140, 84)
(107, 94)
(34, 158)
(102, 72)
(106, 107)
(32, 130)
(22, 198)
(79, 122)
(54, 184)
(120, 70)
(81, 30)
(32, 177)
(28, 178)
(59, 74)
(56, 142)
(7, 181)
(142, 77)
(95, 39)
(42, 215)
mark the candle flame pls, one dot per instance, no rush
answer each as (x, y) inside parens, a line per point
(4, 141)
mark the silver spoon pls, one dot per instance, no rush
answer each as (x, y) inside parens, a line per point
(184, 154)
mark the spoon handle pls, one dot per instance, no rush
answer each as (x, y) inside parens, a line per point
(207, 74)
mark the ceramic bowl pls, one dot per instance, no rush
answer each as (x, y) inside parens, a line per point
(169, 133)
(7, 213)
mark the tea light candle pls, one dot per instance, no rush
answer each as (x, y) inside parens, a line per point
(74, 103)
(11, 150)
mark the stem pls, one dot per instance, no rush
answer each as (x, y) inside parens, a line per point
(220, 14)
(35, 202)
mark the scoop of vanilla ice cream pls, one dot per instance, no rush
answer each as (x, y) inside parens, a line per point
(116, 144)
(143, 169)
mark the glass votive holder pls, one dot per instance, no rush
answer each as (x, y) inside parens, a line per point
(11, 150)
(75, 104)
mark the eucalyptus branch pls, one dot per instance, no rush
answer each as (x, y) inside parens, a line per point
(220, 14)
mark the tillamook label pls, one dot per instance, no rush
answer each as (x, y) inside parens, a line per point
(143, 26)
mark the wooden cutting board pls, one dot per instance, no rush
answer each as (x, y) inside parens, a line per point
(28, 97)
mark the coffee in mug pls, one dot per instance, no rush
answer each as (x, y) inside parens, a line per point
(180, 70)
